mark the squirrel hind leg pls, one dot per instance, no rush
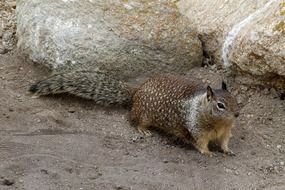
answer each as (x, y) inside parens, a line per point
(144, 130)
(144, 126)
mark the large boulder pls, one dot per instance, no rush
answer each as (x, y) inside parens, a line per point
(7, 26)
(246, 36)
(126, 37)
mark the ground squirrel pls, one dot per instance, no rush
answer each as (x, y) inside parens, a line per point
(183, 107)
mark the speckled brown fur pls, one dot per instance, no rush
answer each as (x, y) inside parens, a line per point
(159, 103)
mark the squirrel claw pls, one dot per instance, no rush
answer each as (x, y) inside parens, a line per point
(145, 133)
(208, 153)
(35, 96)
(229, 153)
(211, 154)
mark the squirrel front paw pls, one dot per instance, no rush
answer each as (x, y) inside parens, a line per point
(229, 152)
(207, 152)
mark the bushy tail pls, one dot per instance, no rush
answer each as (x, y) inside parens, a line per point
(94, 85)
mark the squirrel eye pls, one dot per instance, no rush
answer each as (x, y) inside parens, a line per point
(221, 106)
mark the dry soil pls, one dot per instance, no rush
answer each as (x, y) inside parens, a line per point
(64, 142)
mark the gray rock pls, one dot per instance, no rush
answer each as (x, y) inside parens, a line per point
(251, 32)
(7, 27)
(127, 38)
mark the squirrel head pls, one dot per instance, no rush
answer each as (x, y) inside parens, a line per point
(220, 105)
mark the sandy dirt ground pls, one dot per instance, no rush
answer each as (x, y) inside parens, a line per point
(64, 142)
(67, 143)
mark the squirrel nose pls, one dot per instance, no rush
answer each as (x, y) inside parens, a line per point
(236, 114)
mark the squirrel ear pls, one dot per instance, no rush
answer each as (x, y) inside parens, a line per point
(224, 86)
(210, 93)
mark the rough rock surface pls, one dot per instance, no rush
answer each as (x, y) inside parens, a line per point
(7, 26)
(258, 47)
(127, 37)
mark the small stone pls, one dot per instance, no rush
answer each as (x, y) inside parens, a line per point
(249, 173)
(165, 161)
(244, 88)
(100, 174)
(228, 170)
(72, 110)
(276, 169)
(282, 163)
(279, 146)
(282, 96)
(8, 182)
(134, 139)
(44, 171)
(12, 4)
(274, 93)
(266, 91)
(119, 187)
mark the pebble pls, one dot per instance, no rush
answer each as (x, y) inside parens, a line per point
(72, 110)
(12, 4)
(276, 169)
(119, 187)
(228, 170)
(244, 88)
(8, 182)
(165, 161)
(279, 146)
(240, 99)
